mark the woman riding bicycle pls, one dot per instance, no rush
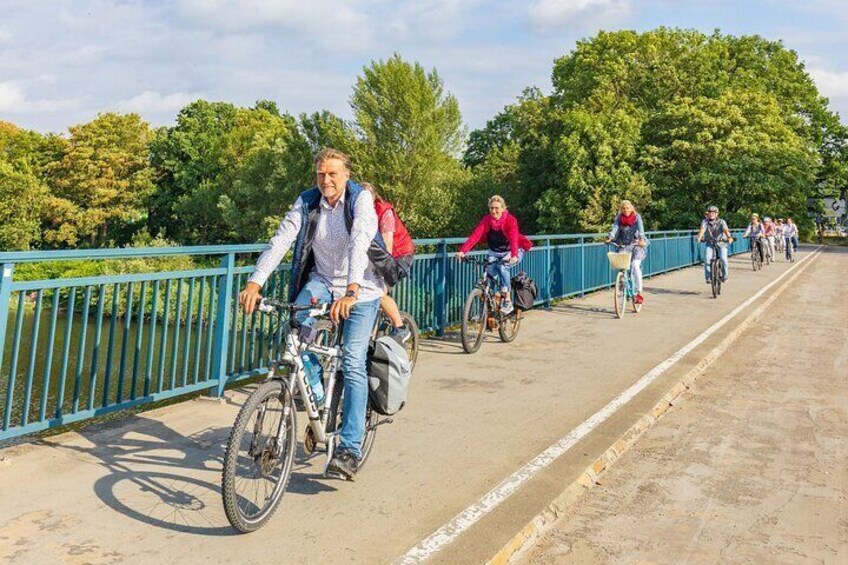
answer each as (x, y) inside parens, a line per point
(790, 237)
(769, 234)
(755, 233)
(628, 233)
(399, 243)
(506, 246)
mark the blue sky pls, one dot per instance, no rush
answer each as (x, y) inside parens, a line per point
(62, 62)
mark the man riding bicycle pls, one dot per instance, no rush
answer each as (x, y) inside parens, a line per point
(332, 226)
(714, 230)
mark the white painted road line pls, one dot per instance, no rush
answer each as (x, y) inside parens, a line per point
(491, 500)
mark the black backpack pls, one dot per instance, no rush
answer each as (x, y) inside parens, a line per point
(525, 291)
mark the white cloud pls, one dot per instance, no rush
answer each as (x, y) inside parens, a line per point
(833, 84)
(331, 23)
(13, 100)
(11, 97)
(151, 102)
(545, 14)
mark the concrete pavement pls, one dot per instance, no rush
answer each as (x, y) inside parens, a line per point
(749, 466)
(147, 488)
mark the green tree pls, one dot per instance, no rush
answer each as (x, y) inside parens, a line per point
(21, 197)
(410, 132)
(226, 174)
(101, 181)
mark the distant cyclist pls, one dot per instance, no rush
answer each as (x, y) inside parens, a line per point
(628, 232)
(769, 233)
(755, 233)
(714, 230)
(778, 235)
(506, 246)
(790, 236)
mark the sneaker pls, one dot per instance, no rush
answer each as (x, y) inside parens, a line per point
(708, 281)
(725, 278)
(401, 335)
(639, 298)
(345, 464)
(507, 307)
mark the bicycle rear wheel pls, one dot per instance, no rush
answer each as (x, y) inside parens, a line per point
(509, 326)
(335, 418)
(257, 466)
(618, 292)
(474, 314)
(411, 345)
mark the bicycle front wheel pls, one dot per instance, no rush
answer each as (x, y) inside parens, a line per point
(259, 456)
(619, 292)
(474, 314)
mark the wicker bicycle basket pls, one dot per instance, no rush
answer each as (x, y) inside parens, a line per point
(619, 261)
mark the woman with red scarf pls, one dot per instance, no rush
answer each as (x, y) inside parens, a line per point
(628, 232)
(506, 246)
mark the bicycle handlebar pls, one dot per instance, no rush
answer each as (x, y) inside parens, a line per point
(269, 305)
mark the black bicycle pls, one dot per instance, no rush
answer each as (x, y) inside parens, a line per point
(717, 274)
(482, 312)
(384, 327)
(756, 253)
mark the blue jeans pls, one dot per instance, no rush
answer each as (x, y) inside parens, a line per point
(355, 339)
(708, 257)
(499, 270)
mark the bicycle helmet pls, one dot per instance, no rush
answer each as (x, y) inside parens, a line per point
(712, 209)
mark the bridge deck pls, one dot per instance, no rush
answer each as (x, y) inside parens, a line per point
(146, 489)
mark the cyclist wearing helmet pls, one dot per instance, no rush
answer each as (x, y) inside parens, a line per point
(714, 230)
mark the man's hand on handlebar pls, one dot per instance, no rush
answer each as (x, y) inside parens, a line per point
(250, 297)
(460, 255)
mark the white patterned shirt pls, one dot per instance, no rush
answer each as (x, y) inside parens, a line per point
(341, 258)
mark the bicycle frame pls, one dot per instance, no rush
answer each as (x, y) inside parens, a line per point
(485, 285)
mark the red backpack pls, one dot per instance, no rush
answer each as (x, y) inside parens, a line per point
(402, 244)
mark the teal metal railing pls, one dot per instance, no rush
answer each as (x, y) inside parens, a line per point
(72, 349)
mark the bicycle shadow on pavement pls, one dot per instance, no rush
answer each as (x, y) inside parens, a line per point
(583, 310)
(157, 475)
(449, 344)
(168, 480)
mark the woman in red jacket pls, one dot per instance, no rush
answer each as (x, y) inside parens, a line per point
(399, 243)
(506, 246)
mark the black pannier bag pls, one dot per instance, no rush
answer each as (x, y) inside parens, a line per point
(525, 291)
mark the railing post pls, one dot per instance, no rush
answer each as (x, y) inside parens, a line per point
(5, 296)
(582, 267)
(441, 289)
(222, 325)
(548, 271)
